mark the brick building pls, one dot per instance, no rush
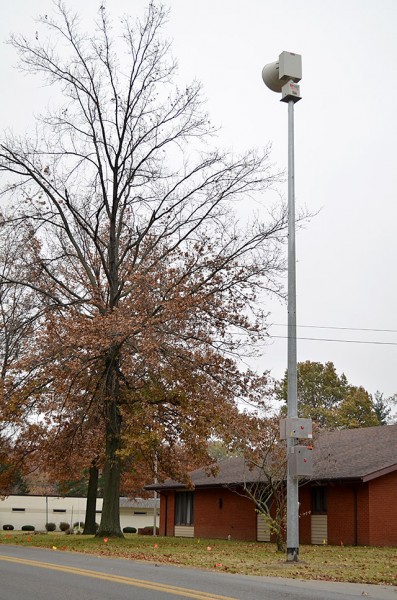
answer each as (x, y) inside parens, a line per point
(350, 499)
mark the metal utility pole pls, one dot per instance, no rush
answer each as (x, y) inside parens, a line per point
(155, 497)
(292, 389)
(282, 76)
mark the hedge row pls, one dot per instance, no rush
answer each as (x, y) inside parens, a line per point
(63, 526)
(9, 527)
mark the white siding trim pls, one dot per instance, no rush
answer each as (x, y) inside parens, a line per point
(262, 529)
(184, 531)
(319, 529)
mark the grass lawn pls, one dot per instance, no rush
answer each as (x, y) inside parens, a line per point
(333, 563)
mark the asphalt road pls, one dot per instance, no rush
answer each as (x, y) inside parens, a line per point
(36, 574)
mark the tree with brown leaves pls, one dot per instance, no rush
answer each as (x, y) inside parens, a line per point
(146, 279)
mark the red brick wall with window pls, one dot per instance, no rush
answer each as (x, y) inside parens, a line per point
(218, 513)
(221, 512)
(340, 514)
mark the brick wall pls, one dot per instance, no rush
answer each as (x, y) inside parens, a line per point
(167, 513)
(362, 515)
(342, 527)
(375, 523)
(217, 514)
(305, 514)
(382, 510)
(220, 513)
(340, 515)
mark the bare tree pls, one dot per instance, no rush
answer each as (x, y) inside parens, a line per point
(20, 317)
(133, 247)
(267, 459)
(20, 307)
(263, 469)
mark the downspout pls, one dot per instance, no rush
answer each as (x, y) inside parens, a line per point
(165, 512)
(355, 516)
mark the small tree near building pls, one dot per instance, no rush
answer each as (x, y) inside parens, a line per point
(265, 472)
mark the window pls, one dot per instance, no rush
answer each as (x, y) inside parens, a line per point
(59, 510)
(184, 508)
(18, 509)
(138, 512)
(319, 500)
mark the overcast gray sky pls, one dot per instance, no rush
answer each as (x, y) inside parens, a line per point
(345, 142)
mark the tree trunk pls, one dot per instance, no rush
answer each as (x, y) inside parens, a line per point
(279, 520)
(280, 541)
(110, 521)
(90, 512)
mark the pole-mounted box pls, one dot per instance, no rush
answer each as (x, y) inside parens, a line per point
(300, 461)
(290, 91)
(290, 66)
(293, 427)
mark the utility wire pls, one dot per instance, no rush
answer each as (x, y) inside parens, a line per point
(339, 328)
(285, 337)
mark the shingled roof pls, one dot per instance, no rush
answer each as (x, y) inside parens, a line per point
(348, 454)
(356, 453)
